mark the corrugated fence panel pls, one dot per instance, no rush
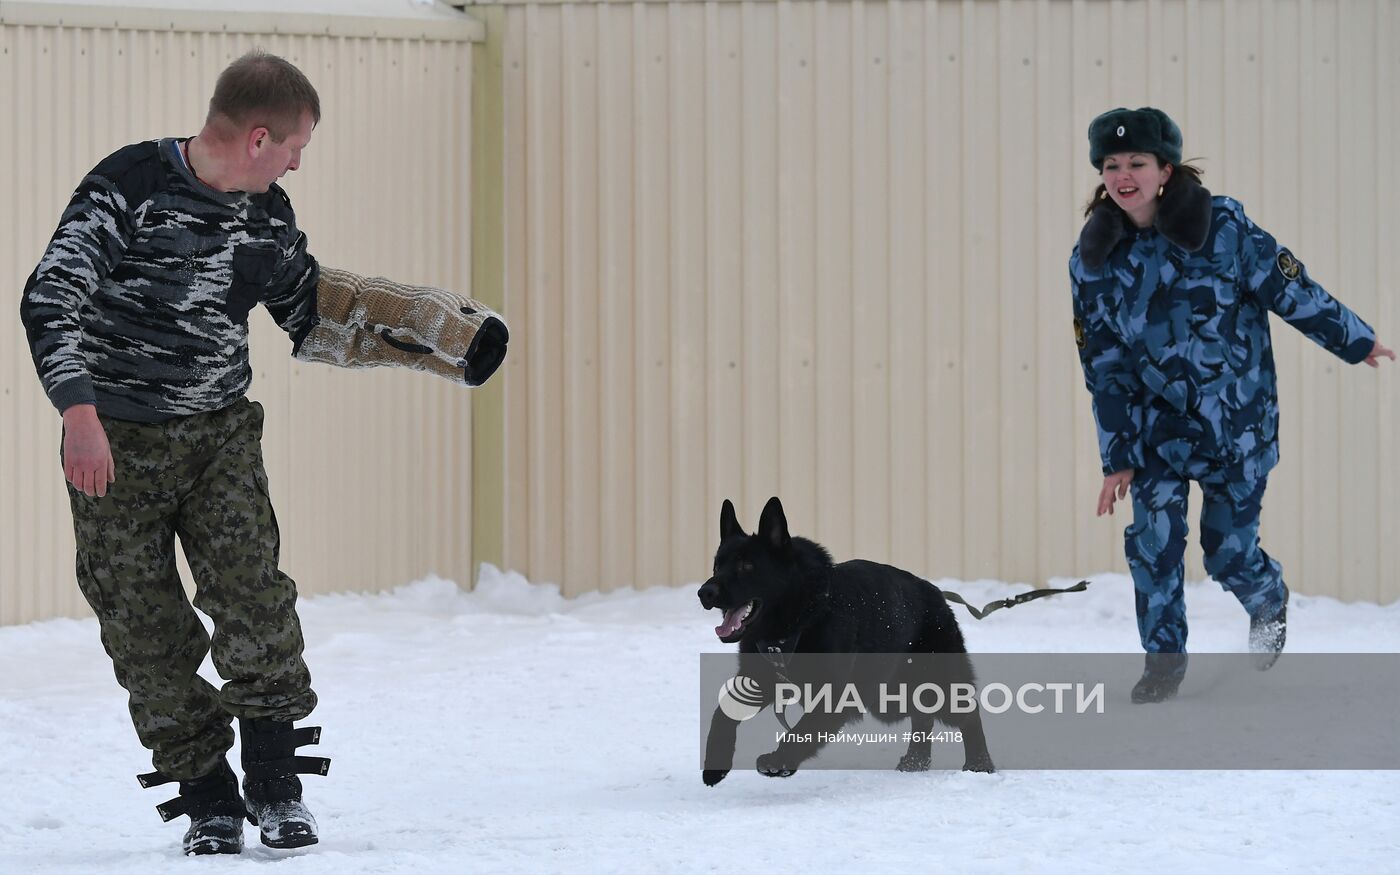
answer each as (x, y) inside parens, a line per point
(516, 375)
(833, 292)
(870, 279)
(984, 347)
(688, 519)
(1319, 247)
(1020, 313)
(1357, 280)
(579, 139)
(829, 264)
(796, 189)
(909, 523)
(724, 262)
(1089, 94)
(1387, 229)
(370, 470)
(757, 320)
(654, 355)
(618, 472)
(947, 186)
(1059, 394)
(1277, 193)
(544, 288)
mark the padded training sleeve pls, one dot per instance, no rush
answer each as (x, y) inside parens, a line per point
(364, 322)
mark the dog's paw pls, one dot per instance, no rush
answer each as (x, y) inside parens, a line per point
(983, 764)
(774, 765)
(712, 777)
(914, 762)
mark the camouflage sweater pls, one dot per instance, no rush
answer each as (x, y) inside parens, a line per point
(1174, 341)
(140, 303)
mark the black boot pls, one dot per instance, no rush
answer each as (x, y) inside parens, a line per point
(1267, 633)
(270, 769)
(214, 806)
(1162, 674)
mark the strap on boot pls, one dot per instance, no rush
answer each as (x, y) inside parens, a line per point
(263, 771)
(168, 810)
(203, 794)
(280, 744)
(153, 779)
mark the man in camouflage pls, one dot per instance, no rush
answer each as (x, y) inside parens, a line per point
(137, 319)
(1172, 294)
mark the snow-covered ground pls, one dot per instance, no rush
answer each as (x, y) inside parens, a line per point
(511, 730)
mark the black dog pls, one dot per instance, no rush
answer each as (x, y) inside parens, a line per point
(781, 595)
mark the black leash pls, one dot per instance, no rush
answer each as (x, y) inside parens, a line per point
(1014, 600)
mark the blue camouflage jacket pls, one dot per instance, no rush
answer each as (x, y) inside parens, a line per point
(1173, 333)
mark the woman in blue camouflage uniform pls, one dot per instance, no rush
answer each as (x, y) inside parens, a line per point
(1172, 294)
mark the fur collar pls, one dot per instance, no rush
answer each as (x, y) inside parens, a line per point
(1183, 218)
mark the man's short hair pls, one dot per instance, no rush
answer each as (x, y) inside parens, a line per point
(261, 89)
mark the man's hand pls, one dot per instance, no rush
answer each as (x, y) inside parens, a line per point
(1115, 486)
(1374, 359)
(87, 457)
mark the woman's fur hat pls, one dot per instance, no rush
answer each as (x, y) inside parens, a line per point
(1134, 130)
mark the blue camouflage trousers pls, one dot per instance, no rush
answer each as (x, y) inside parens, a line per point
(1156, 548)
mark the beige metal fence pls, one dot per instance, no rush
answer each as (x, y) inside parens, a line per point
(370, 470)
(817, 249)
(813, 249)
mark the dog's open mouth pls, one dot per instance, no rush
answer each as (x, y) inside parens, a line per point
(736, 620)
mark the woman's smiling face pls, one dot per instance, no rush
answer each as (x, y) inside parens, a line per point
(1132, 180)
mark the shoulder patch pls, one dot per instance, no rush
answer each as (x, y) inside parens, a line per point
(1289, 266)
(277, 204)
(128, 157)
(1079, 333)
(135, 171)
(280, 194)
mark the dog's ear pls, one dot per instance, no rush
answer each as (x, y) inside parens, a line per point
(728, 522)
(772, 526)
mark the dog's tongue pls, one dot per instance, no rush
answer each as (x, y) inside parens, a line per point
(731, 622)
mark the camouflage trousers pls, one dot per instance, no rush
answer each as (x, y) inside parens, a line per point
(199, 477)
(1156, 548)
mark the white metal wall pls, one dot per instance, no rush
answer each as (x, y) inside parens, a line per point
(817, 249)
(370, 470)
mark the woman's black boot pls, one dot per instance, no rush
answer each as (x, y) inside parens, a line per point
(1162, 675)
